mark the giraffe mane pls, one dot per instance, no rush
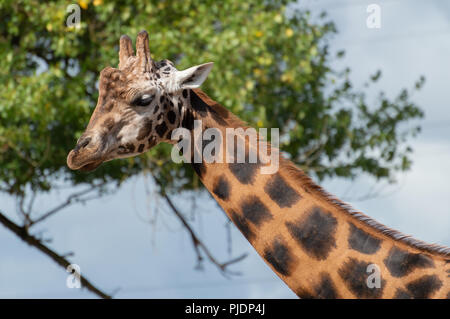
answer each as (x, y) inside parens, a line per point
(299, 175)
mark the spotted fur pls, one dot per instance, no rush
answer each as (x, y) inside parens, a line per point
(279, 256)
(315, 233)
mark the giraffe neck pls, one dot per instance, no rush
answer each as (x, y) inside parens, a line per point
(316, 244)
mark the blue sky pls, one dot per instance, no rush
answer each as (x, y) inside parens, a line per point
(120, 250)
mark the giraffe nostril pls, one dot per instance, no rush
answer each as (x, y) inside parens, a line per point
(83, 143)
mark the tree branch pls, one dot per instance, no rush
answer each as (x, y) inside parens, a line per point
(197, 243)
(75, 197)
(60, 260)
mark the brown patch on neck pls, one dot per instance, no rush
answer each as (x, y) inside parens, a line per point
(216, 115)
(309, 186)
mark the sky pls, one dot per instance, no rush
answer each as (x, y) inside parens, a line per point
(121, 250)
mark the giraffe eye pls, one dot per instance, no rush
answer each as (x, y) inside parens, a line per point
(144, 100)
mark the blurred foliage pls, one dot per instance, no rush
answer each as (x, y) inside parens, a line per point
(272, 68)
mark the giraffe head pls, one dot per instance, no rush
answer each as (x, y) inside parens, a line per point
(139, 104)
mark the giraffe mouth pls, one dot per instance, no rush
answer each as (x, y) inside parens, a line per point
(82, 163)
(90, 167)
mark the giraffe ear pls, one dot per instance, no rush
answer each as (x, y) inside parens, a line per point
(193, 77)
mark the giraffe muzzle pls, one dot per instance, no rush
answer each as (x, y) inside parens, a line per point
(83, 158)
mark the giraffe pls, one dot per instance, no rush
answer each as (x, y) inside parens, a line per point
(318, 245)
